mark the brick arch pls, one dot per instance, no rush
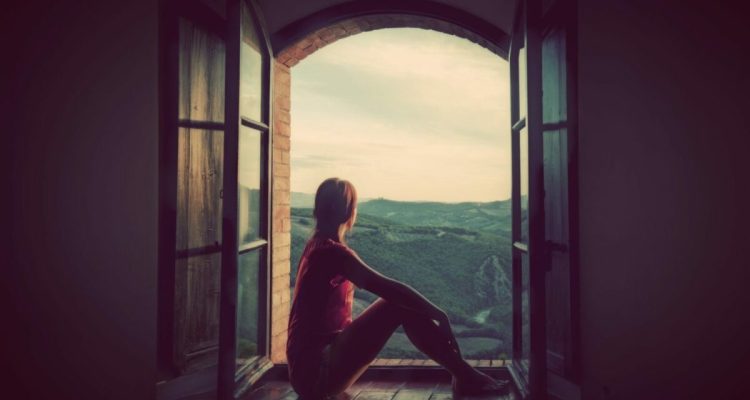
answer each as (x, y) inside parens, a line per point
(298, 50)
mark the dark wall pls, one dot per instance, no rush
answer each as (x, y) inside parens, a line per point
(82, 134)
(663, 173)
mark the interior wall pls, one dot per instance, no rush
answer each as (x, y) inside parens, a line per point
(663, 198)
(83, 162)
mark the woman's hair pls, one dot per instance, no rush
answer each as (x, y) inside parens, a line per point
(335, 204)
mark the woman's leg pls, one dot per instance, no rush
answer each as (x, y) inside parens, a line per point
(354, 349)
(356, 346)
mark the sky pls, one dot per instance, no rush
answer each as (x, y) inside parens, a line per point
(405, 114)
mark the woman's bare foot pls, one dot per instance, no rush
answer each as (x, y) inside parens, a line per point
(479, 383)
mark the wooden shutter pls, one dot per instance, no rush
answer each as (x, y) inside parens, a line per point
(200, 132)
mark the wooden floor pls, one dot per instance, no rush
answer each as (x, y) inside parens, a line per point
(372, 390)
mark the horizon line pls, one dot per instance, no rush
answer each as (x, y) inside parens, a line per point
(366, 199)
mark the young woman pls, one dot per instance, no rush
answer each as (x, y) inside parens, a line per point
(326, 350)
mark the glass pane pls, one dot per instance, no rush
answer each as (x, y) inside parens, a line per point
(251, 68)
(554, 81)
(522, 88)
(201, 64)
(249, 176)
(525, 312)
(200, 162)
(524, 173)
(198, 234)
(247, 306)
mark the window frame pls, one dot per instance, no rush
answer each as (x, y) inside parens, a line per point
(227, 28)
(529, 374)
(233, 381)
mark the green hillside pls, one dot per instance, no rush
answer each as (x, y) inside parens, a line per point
(491, 217)
(464, 270)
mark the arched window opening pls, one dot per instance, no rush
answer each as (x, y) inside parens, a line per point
(419, 121)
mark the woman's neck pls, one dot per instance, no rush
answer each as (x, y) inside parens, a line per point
(332, 233)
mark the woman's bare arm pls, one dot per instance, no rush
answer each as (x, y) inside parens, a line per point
(397, 293)
(389, 289)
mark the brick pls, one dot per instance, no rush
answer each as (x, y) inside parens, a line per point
(328, 35)
(305, 51)
(305, 42)
(280, 87)
(281, 170)
(278, 357)
(279, 339)
(281, 269)
(283, 129)
(281, 68)
(282, 316)
(282, 225)
(282, 239)
(281, 183)
(281, 253)
(281, 211)
(351, 27)
(282, 100)
(278, 284)
(286, 296)
(280, 311)
(281, 197)
(282, 142)
(282, 116)
(278, 343)
(339, 31)
(276, 157)
(278, 348)
(278, 326)
(283, 57)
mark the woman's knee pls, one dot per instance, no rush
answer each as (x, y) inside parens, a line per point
(390, 308)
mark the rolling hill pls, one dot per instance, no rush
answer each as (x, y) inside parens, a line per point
(457, 255)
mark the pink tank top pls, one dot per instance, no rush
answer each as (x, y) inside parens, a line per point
(321, 308)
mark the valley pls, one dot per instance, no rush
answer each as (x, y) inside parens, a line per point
(457, 255)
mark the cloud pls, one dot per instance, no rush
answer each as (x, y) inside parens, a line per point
(403, 113)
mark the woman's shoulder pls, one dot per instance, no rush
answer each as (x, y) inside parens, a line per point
(329, 246)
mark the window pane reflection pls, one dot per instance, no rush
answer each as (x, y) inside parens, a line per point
(554, 83)
(524, 174)
(522, 88)
(247, 307)
(525, 315)
(251, 68)
(249, 177)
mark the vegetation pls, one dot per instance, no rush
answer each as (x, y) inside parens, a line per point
(463, 269)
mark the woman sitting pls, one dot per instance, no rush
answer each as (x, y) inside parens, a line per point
(326, 350)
